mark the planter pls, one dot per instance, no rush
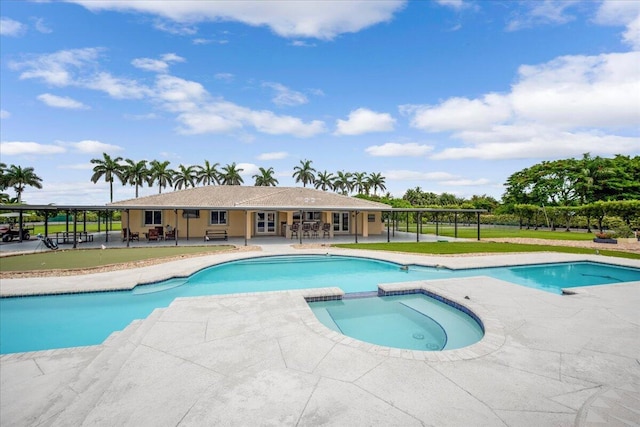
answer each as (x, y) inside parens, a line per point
(599, 240)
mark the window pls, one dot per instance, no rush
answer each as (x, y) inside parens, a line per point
(312, 216)
(152, 217)
(218, 217)
(371, 218)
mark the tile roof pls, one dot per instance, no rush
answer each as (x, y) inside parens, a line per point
(248, 197)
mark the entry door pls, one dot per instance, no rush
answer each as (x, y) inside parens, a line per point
(341, 222)
(265, 222)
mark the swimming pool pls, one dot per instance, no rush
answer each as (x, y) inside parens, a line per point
(58, 321)
(414, 322)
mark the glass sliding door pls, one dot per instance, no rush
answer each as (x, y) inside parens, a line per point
(265, 222)
(341, 222)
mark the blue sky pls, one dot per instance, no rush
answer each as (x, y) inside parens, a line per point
(451, 95)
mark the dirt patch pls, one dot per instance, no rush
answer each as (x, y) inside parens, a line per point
(115, 267)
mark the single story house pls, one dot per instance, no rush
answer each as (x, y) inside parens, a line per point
(249, 211)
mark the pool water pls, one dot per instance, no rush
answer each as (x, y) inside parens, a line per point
(57, 321)
(414, 322)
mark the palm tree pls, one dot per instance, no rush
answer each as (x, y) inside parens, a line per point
(265, 178)
(20, 178)
(185, 177)
(360, 182)
(3, 182)
(160, 172)
(231, 175)
(343, 182)
(324, 181)
(109, 168)
(136, 173)
(376, 181)
(304, 173)
(208, 174)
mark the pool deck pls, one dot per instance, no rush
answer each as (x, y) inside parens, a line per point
(264, 359)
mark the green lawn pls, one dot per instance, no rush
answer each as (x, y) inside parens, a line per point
(88, 258)
(496, 232)
(452, 248)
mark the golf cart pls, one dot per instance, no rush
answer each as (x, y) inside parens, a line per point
(12, 230)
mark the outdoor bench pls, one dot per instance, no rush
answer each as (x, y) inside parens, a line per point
(215, 235)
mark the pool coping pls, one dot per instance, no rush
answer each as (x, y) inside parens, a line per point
(126, 280)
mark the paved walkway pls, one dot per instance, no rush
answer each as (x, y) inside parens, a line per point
(264, 359)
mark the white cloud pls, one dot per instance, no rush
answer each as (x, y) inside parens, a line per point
(543, 12)
(88, 146)
(4, 114)
(565, 107)
(623, 13)
(537, 142)
(408, 175)
(321, 20)
(455, 4)
(61, 102)
(116, 87)
(16, 148)
(41, 27)
(278, 155)
(11, 28)
(364, 120)
(248, 170)
(392, 149)
(285, 96)
(59, 68)
(302, 43)
(157, 65)
(227, 77)
(149, 64)
(461, 113)
(78, 166)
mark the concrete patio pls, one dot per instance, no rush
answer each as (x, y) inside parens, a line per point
(264, 359)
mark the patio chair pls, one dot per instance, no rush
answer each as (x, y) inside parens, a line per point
(326, 230)
(170, 234)
(315, 228)
(306, 229)
(295, 228)
(133, 235)
(153, 235)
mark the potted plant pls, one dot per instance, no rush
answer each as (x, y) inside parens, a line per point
(604, 237)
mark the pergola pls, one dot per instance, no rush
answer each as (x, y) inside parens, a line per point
(392, 217)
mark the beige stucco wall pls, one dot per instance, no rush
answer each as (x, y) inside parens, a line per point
(236, 222)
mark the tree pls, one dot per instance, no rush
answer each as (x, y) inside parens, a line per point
(161, 173)
(324, 181)
(360, 184)
(208, 174)
(185, 177)
(109, 169)
(20, 178)
(304, 173)
(265, 178)
(231, 175)
(343, 182)
(376, 181)
(4, 197)
(136, 174)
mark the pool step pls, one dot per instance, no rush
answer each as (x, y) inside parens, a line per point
(96, 378)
